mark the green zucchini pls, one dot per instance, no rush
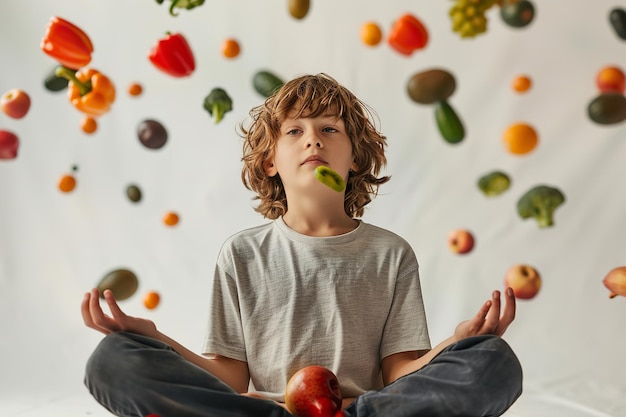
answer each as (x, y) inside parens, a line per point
(449, 124)
(266, 83)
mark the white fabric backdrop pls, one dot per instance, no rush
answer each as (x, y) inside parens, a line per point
(55, 246)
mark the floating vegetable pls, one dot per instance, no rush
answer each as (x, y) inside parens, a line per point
(517, 13)
(133, 193)
(617, 18)
(122, 282)
(230, 48)
(430, 86)
(134, 89)
(266, 83)
(448, 122)
(67, 43)
(89, 124)
(521, 84)
(330, 178)
(407, 35)
(54, 83)
(217, 103)
(170, 218)
(9, 144)
(298, 8)
(607, 109)
(520, 138)
(152, 134)
(494, 183)
(66, 183)
(371, 34)
(539, 203)
(615, 281)
(611, 79)
(90, 91)
(151, 300)
(182, 4)
(468, 17)
(173, 55)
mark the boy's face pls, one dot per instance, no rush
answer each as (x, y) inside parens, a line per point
(306, 143)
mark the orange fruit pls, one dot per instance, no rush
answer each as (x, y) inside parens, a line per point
(89, 125)
(170, 218)
(521, 84)
(230, 48)
(371, 35)
(520, 138)
(134, 89)
(66, 183)
(611, 79)
(151, 300)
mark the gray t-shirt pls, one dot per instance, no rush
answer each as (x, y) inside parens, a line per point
(281, 300)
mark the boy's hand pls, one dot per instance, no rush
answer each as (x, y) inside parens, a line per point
(94, 316)
(488, 319)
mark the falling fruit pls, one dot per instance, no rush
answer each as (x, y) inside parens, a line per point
(134, 89)
(152, 134)
(524, 280)
(615, 281)
(133, 193)
(89, 124)
(9, 144)
(122, 282)
(66, 183)
(170, 218)
(611, 79)
(371, 34)
(520, 138)
(521, 84)
(230, 48)
(151, 300)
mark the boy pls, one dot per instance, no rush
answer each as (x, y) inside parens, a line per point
(315, 286)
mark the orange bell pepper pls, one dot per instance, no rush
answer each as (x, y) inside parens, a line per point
(407, 34)
(90, 91)
(67, 43)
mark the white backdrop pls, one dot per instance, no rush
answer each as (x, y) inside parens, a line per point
(55, 246)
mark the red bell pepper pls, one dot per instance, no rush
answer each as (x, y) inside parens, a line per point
(67, 43)
(90, 91)
(407, 34)
(173, 56)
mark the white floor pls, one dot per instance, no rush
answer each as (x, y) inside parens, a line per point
(530, 404)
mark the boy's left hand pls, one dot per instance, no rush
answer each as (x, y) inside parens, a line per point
(488, 319)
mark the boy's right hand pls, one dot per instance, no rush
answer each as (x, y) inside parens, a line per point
(94, 316)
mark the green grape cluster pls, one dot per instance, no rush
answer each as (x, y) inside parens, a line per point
(468, 17)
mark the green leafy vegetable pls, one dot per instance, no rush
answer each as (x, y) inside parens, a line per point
(539, 203)
(182, 4)
(217, 103)
(494, 183)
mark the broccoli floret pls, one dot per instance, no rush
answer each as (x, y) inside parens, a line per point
(217, 103)
(494, 183)
(539, 203)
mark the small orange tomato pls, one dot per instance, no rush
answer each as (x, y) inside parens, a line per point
(230, 48)
(151, 300)
(134, 89)
(611, 79)
(66, 183)
(521, 84)
(371, 34)
(520, 138)
(89, 125)
(170, 218)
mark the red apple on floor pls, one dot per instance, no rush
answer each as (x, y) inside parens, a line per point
(8, 144)
(313, 391)
(524, 280)
(15, 103)
(460, 241)
(615, 281)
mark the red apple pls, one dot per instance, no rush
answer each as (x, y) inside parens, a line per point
(460, 241)
(615, 281)
(8, 144)
(313, 391)
(524, 280)
(15, 103)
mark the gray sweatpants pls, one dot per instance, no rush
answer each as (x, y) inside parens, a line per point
(133, 376)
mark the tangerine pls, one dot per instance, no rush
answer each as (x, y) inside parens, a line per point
(520, 138)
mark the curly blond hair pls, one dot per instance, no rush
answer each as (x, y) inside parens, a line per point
(312, 96)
